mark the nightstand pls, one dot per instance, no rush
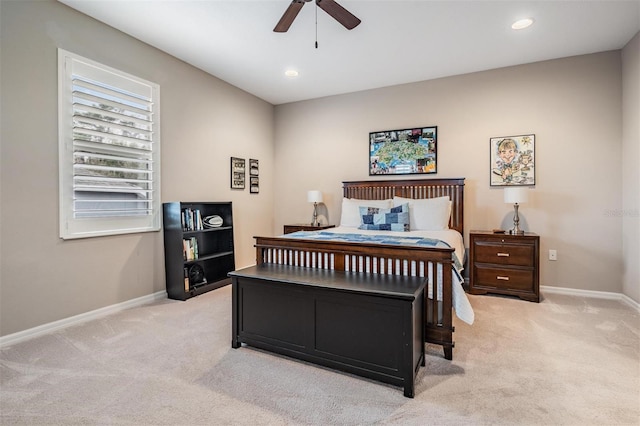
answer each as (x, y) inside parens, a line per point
(505, 264)
(305, 227)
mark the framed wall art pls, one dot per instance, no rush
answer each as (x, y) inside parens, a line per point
(403, 151)
(513, 160)
(253, 167)
(237, 173)
(254, 184)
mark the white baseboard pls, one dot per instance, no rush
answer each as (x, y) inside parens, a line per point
(107, 310)
(590, 293)
(21, 336)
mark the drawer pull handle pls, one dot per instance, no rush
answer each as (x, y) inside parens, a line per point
(503, 254)
(502, 278)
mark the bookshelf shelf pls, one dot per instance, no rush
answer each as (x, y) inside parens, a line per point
(209, 256)
(197, 257)
(222, 228)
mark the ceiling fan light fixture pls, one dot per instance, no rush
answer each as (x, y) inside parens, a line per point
(521, 24)
(291, 73)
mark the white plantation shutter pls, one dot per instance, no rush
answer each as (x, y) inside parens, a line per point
(109, 150)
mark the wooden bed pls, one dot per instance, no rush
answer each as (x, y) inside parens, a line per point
(390, 259)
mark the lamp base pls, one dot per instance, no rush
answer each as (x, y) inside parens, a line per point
(315, 215)
(516, 222)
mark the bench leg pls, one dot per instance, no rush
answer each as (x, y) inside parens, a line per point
(448, 352)
(409, 390)
(235, 308)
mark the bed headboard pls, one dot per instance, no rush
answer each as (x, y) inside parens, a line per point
(415, 188)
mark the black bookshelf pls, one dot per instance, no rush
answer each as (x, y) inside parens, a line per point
(198, 256)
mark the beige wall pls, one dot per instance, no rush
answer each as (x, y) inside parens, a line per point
(630, 167)
(573, 106)
(204, 122)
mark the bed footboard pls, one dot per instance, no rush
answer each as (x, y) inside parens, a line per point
(434, 264)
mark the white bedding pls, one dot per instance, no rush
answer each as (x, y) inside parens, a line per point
(461, 304)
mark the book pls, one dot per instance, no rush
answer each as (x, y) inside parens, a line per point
(191, 219)
(190, 249)
(194, 247)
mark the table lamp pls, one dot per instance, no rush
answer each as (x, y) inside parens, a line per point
(314, 197)
(516, 195)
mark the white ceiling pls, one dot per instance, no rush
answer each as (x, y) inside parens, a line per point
(397, 42)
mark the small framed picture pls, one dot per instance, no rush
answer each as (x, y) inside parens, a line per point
(237, 173)
(254, 184)
(513, 160)
(253, 167)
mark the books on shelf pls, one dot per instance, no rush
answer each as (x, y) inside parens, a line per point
(190, 248)
(191, 220)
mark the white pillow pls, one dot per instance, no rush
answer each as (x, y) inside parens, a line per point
(429, 214)
(351, 210)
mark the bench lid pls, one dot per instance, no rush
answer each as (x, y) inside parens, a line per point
(395, 286)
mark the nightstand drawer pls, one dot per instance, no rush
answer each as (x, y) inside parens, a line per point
(504, 254)
(503, 278)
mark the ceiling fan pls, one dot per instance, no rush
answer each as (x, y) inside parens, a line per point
(338, 13)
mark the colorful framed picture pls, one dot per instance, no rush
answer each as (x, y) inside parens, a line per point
(513, 160)
(404, 151)
(237, 173)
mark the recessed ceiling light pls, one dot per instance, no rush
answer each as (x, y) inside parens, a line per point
(291, 73)
(522, 24)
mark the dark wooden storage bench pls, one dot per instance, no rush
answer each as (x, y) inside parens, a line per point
(371, 325)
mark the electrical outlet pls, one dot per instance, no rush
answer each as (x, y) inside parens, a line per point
(553, 255)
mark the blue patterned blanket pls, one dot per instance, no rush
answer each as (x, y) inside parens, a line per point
(378, 239)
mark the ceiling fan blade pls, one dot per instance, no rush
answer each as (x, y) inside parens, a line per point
(339, 13)
(289, 15)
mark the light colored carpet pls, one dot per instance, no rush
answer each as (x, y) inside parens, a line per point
(568, 360)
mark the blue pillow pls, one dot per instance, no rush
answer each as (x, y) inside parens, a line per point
(379, 219)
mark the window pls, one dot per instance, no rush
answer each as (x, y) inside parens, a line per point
(109, 150)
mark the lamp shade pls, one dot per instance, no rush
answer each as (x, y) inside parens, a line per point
(314, 196)
(516, 195)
